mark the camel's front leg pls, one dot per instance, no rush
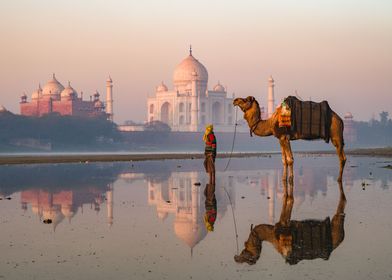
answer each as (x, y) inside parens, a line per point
(337, 222)
(284, 160)
(290, 160)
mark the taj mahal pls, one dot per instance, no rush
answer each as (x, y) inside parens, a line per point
(190, 105)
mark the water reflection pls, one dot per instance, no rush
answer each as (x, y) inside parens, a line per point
(60, 192)
(211, 207)
(55, 206)
(296, 240)
(180, 194)
(56, 193)
(159, 216)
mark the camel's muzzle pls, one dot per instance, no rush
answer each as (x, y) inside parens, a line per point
(245, 256)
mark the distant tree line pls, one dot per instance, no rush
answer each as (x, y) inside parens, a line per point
(375, 132)
(60, 131)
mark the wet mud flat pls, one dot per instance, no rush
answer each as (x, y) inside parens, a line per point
(147, 220)
(368, 152)
(86, 158)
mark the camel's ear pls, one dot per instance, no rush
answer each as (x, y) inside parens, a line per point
(251, 227)
(250, 99)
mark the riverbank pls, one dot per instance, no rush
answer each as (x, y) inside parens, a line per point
(87, 158)
(370, 152)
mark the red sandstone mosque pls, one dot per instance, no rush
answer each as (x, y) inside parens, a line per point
(55, 98)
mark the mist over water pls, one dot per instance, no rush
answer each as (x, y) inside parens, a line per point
(145, 220)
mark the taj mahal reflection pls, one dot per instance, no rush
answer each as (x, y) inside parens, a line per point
(59, 193)
(179, 196)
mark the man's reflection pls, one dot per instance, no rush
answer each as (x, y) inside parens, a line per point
(210, 205)
(297, 240)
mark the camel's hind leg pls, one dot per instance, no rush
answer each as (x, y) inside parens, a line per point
(287, 158)
(342, 158)
(338, 142)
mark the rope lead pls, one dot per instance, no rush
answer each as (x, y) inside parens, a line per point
(232, 146)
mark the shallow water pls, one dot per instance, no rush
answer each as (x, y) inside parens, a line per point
(145, 220)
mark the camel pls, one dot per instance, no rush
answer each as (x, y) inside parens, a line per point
(262, 128)
(297, 240)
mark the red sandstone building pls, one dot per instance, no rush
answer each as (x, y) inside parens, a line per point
(54, 98)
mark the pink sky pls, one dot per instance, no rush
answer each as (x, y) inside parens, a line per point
(339, 51)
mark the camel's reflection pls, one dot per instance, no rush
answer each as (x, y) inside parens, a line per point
(297, 240)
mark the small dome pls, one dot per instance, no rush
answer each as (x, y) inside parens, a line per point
(219, 88)
(109, 80)
(270, 79)
(162, 215)
(69, 92)
(99, 104)
(161, 87)
(54, 214)
(37, 93)
(52, 88)
(35, 209)
(2, 109)
(348, 115)
(67, 211)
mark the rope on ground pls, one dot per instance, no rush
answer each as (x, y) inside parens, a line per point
(232, 146)
(235, 224)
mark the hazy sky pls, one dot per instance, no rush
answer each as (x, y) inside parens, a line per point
(338, 50)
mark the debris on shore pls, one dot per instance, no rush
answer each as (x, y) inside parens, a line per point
(387, 166)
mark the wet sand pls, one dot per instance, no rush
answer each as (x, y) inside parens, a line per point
(86, 158)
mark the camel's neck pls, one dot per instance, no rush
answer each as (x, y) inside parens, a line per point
(257, 125)
(265, 232)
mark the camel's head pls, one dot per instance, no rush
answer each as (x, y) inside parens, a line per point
(244, 103)
(252, 250)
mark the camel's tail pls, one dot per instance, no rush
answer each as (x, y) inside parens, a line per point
(342, 123)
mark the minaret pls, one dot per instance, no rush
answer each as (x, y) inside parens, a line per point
(109, 98)
(195, 102)
(109, 205)
(271, 97)
(271, 195)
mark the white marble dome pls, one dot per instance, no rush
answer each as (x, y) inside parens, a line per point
(53, 88)
(188, 232)
(69, 92)
(188, 70)
(185, 69)
(219, 88)
(162, 87)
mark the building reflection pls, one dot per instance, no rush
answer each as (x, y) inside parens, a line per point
(58, 192)
(62, 191)
(174, 193)
(57, 206)
(180, 197)
(308, 181)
